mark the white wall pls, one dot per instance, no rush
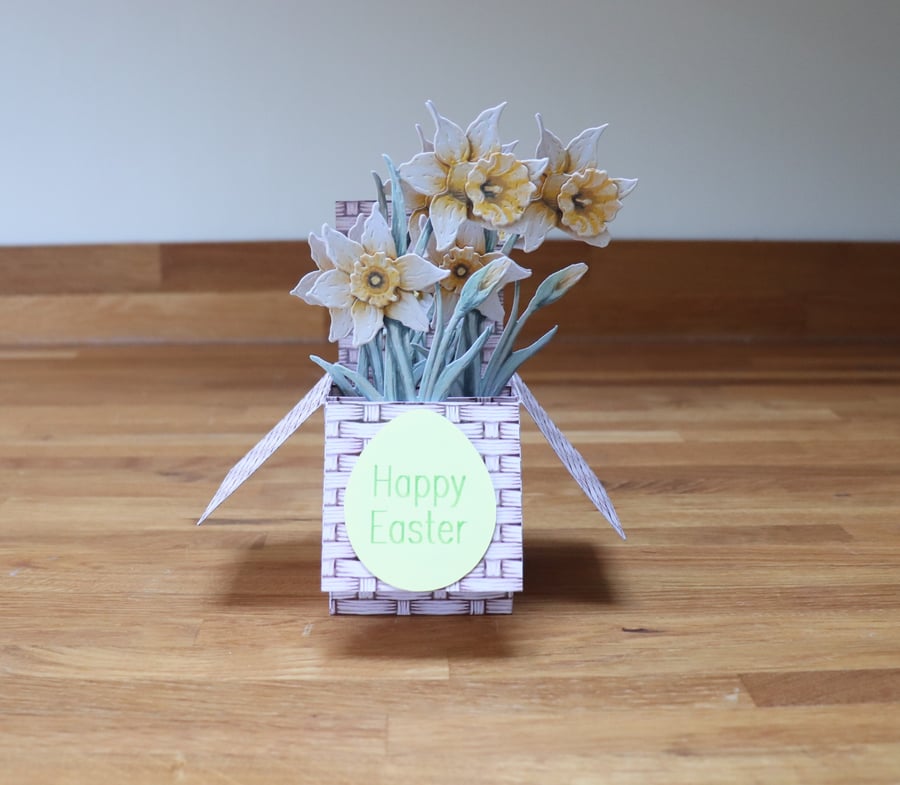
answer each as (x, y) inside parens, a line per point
(133, 120)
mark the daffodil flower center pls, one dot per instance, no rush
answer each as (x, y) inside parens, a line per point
(499, 188)
(375, 280)
(587, 201)
(461, 262)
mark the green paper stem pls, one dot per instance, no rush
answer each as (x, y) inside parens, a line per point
(454, 369)
(504, 345)
(422, 242)
(379, 193)
(440, 351)
(510, 243)
(514, 360)
(436, 341)
(471, 331)
(418, 373)
(551, 289)
(375, 362)
(390, 374)
(398, 209)
(348, 382)
(401, 358)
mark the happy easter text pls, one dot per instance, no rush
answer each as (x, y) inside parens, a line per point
(426, 493)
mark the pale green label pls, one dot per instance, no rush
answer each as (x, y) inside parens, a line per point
(420, 507)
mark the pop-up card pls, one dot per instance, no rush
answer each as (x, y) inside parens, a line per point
(422, 499)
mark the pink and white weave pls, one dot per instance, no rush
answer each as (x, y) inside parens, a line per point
(492, 425)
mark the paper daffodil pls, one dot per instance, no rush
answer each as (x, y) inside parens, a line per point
(464, 257)
(470, 174)
(575, 195)
(421, 294)
(362, 281)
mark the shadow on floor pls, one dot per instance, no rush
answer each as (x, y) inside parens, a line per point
(286, 575)
(565, 572)
(280, 575)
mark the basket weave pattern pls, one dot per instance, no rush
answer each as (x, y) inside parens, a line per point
(492, 425)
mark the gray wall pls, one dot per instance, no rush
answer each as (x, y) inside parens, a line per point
(159, 120)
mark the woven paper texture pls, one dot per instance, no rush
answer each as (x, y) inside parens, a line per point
(493, 428)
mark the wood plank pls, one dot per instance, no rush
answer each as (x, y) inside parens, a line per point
(233, 267)
(747, 631)
(634, 289)
(180, 317)
(79, 269)
(727, 289)
(823, 688)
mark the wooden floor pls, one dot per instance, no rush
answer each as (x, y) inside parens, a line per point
(747, 632)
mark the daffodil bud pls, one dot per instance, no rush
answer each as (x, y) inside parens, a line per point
(482, 284)
(556, 285)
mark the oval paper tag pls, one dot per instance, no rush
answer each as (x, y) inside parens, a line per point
(420, 507)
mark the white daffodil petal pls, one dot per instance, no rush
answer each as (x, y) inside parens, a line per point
(424, 173)
(471, 234)
(416, 227)
(355, 231)
(427, 146)
(483, 133)
(341, 324)
(367, 321)
(536, 167)
(417, 274)
(415, 201)
(302, 289)
(448, 304)
(515, 272)
(583, 149)
(319, 251)
(447, 214)
(550, 147)
(426, 298)
(408, 310)
(492, 308)
(376, 235)
(624, 185)
(450, 143)
(332, 289)
(538, 219)
(431, 251)
(599, 240)
(342, 250)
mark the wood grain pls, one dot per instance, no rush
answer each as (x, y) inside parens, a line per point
(187, 317)
(79, 269)
(634, 290)
(747, 631)
(823, 688)
(229, 267)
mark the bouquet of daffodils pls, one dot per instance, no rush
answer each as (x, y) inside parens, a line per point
(416, 285)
